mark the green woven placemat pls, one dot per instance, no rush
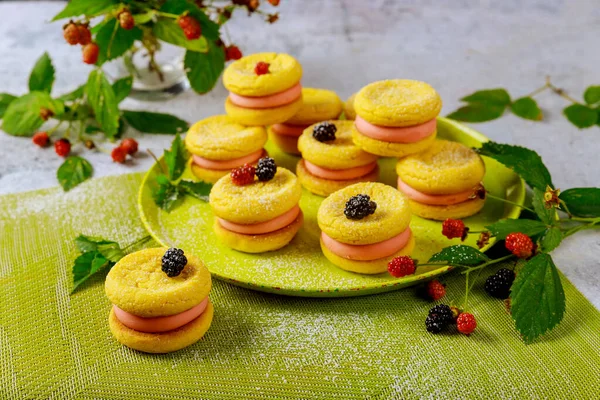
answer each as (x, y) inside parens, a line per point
(261, 346)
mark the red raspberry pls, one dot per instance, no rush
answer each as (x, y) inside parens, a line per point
(436, 290)
(243, 175)
(85, 36)
(261, 68)
(46, 114)
(90, 53)
(232, 53)
(62, 147)
(190, 26)
(130, 146)
(466, 323)
(519, 244)
(401, 266)
(71, 33)
(274, 3)
(454, 228)
(118, 155)
(41, 139)
(126, 20)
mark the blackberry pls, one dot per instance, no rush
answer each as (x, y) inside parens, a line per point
(434, 323)
(498, 285)
(173, 262)
(359, 206)
(443, 312)
(324, 132)
(266, 169)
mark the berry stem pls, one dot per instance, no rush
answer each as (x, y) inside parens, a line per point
(485, 264)
(167, 15)
(467, 290)
(509, 202)
(162, 167)
(591, 225)
(539, 90)
(54, 128)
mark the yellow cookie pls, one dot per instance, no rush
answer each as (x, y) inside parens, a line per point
(324, 187)
(444, 168)
(288, 144)
(441, 213)
(262, 116)
(391, 217)
(367, 267)
(138, 285)
(208, 175)
(340, 153)
(388, 149)
(259, 243)
(221, 138)
(164, 342)
(349, 112)
(397, 102)
(318, 105)
(258, 201)
(284, 72)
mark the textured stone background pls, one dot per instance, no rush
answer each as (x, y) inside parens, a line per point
(456, 46)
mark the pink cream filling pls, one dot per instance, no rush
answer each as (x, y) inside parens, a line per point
(433, 199)
(159, 324)
(274, 100)
(263, 227)
(288, 129)
(227, 164)
(339, 174)
(406, 134)
(367, 252)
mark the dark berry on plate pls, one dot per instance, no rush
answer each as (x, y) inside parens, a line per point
(324, 132)
(444, 312)
(498, 285)
(359, 207)
(243, 175)
(173, 262)
(266, 169)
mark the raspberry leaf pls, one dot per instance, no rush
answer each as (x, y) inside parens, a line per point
(42, 75)
(203, 69)
(497, 97)
(525, 162)
(209, 28)
(169, 31)
(527, 108)
(551, 239)
(166, 195)
(122, 88)
(113, 41)
(74, 95)
(504, 227)
(582, 202)
(109, 249)
(88, 264)
(150, 122)
(73, 171)
(581, 116)
(89, 8)
(592, 95)
(199, 190)
(546, 215)
(5, 100)
(537, 298)
(460, 255)
(101, 98)
(477, 112)
(176, 158)
(22, 116)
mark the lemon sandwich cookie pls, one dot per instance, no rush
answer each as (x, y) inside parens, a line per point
(160, 300)
(443, 182)
(218, 144)
(364, 226)
(349, 112)
(317, 105)
(331, 161)
(256, 209)
(264, 89)
(397, 117)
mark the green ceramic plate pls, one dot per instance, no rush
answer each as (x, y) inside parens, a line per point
(300, 269)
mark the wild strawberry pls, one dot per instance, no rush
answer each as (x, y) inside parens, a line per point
(130, 146)
(232, 53)
(436, 290)
(126, 20)
(261, 68)
(46, 114)
(466, 323)
(118, 155)
(401, 266)
(190, 26)
(41, 139)
(519, 244)
(85, 36)
(243, 175)
(454, 228)
(274, 3)
(62, 147)
(71, 33)
(90, 53)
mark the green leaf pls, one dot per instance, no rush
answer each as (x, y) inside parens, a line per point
(460, 255)
(169, 31)
(199, 190)
(109, 249)
(101, 97)
(209, 28)
(89, 8)
(42, 75)
(203, 69)
(477, 112)
(22, 117)
(525, 162)
(527, 108)
(73, 171)
(122, 87)
(114, 41)
(86, 265)
(546, 215)
(498, 97)
(551, 239)
(582, 202)
(5, 100)
(581, 116)
(537, 298)
(150, 122)
(504, 227)
(142, 18)
(74, 95)
(166, 195)
(176, 158)
(592, 95)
